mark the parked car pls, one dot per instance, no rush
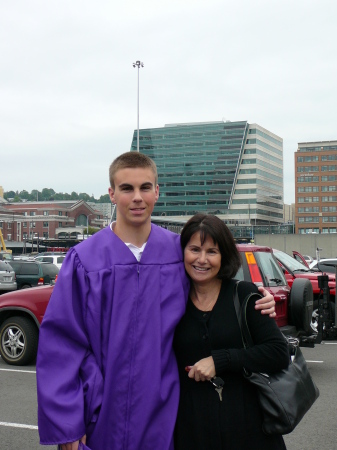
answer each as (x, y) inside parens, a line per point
(5, 255)
(54, 259)
(20, 317)
(309, 259)
(294, 269)
(294, 304)
(7, 277)
(21, 312)
(34, 273)
(324, 265)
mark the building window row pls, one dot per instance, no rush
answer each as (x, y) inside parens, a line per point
(265, 136)
(329, 219)
(308, 209)
(330, 198)
(308, 230)
(316, 189)
(325, 198)
(329, 158)
(307, 219)
(307, 199)
(326, 178)
(256, 151)
(328, 168)
(308, 158)
(308, 179)
(264, 145)
(308, 189)
(308, 169)
(317, 149)
(329, 208)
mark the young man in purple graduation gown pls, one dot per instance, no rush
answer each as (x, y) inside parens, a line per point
(106, 371)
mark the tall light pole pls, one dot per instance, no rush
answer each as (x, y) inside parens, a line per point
(138, 64)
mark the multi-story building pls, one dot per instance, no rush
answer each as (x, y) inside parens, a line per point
(56, 219)
(316, 187)
(232, 169)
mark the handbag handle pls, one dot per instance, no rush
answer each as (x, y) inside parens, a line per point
(240, 310)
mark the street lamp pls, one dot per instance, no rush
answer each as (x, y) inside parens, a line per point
(138, 64)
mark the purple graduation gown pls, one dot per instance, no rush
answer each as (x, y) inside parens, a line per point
(105, 364)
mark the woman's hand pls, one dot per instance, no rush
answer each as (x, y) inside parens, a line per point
(202, 370)
(267, 303)
(73, 445)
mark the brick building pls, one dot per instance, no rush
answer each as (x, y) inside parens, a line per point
(316, 187)
(49, 220)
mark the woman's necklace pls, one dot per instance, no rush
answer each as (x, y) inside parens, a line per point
(208, 303)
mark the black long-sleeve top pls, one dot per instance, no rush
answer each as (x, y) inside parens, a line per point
(205, 422)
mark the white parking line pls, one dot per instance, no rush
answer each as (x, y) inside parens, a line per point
(330, 343)
(318, 362)
(18, 370)
(18, 425)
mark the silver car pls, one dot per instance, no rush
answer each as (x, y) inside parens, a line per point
(7, 277)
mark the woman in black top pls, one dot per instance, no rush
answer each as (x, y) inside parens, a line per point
(208, 343)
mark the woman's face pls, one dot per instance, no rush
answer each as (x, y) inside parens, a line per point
(202, 262)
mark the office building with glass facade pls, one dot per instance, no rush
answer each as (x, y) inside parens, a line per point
(232, 169)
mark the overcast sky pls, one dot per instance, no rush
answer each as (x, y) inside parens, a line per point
(68, 91)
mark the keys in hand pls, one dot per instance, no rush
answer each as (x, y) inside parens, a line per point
(218, 383)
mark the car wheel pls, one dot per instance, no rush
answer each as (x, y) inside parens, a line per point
(301, 305)
(25, 286)
(18, 341)
(315, 316)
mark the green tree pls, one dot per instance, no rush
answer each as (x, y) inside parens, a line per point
(46, 194)
(58, 196)
(35, 195)
(84, 196)
(104, 199)
(24, 195)
(9, 194)
(74, 195)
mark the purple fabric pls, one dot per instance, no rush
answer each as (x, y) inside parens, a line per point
(105, 365)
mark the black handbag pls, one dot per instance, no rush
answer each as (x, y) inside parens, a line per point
(285, 396)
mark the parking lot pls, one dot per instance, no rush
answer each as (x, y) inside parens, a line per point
(18, 408)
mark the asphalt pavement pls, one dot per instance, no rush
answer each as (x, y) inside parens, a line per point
(317, 430)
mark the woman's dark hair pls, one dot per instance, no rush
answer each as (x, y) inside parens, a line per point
(211, 226)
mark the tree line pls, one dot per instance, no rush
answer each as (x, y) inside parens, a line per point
(50, 195)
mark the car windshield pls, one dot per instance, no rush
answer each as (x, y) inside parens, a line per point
(270, 270)
(290, 262)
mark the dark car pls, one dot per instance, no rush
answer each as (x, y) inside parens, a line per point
(21, 312)
(34, 273)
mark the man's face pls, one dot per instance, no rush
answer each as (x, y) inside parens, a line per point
(135, 194)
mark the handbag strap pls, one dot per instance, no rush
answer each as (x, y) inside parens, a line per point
(241, 314)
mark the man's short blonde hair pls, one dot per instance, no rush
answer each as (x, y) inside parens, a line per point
(131, 160)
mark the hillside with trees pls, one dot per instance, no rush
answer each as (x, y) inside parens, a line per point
(50, 195)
